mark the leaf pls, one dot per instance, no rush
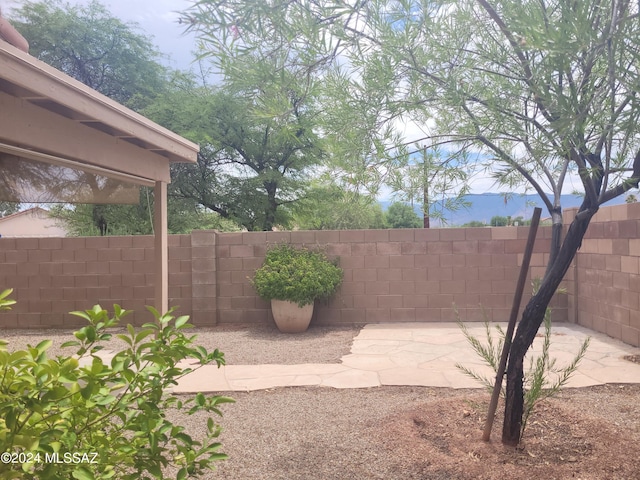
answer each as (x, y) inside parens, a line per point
(125, 338)
(44, 345)
(143, 334)
(87, 390)
(82, 473)
(180, 321)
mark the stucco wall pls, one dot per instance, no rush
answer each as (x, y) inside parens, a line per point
(30, 223)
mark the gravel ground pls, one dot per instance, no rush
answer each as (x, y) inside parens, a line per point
(241, 344)
(395, 433)
(314, 433)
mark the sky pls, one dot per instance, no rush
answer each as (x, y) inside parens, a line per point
(158, 19)
(155, 18)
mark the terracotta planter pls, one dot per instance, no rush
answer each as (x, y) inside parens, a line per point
(289, 317)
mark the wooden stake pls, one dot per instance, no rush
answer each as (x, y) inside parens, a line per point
(524, 269)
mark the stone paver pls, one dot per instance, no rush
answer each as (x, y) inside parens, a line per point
(420, 354)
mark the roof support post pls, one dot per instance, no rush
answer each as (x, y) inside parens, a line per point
(161, 247)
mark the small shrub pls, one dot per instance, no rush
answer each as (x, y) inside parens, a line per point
(542, 379)
(297, 275)
(66, 419)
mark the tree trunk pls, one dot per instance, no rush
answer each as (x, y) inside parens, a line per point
(271, 207)
(425, 195)
(532, 318)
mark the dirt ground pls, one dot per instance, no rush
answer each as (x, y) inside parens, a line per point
(588, 433)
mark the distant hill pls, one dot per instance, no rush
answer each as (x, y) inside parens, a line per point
(487, 205)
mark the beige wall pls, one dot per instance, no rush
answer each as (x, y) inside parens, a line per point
(605, 278)
(54, 276)
(390, 275)
(30, 223)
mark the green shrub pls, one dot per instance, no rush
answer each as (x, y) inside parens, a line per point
(297, 275)
(541, 380)
(5, 302)
(77, 417)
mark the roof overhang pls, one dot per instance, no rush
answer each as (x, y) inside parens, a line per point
(46, 115)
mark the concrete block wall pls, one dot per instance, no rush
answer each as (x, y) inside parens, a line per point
(54, 276)
(404, 275)
(390, 275)
(605, 278)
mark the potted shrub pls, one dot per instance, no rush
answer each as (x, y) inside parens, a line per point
(292, 279)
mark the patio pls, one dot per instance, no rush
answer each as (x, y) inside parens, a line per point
(416, 354)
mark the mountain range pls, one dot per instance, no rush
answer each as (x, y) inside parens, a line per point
(482, 207)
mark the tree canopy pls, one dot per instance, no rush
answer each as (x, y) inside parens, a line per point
(546, 92)
(401, 215)
(251, 166)
(91, 45)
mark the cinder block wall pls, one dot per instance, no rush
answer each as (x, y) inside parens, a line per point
(403, 275)
(54, 276)
(605, 280)
(390, 275)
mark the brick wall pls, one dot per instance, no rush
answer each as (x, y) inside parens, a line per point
(390, 275)
(605, 280)
(53, 276)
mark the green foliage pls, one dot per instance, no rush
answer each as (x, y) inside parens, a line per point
(183, 216)
(89, 44)
(111, 414)
(401, 215)
(474, 223)
(542, 379)
(5, 302)
(8, 208)
(252, 168)
(542, 368)
(499, 221)
(329, 207)
(431, 179)
(296, 275)
(490, 352)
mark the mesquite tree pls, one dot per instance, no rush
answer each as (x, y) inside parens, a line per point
(546, 90)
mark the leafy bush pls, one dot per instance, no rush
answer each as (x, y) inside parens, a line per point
(5, 301)
(401, 215)
(297, 275)
(79, 417)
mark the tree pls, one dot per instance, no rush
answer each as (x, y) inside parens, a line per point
(544, 90)
(94, 47)
(251, 166)
(499, 221)
(99, 220)
(401, 215)
(8, 208)
(329, 207)
(474, 224)
(419, 176)
(99, 50)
